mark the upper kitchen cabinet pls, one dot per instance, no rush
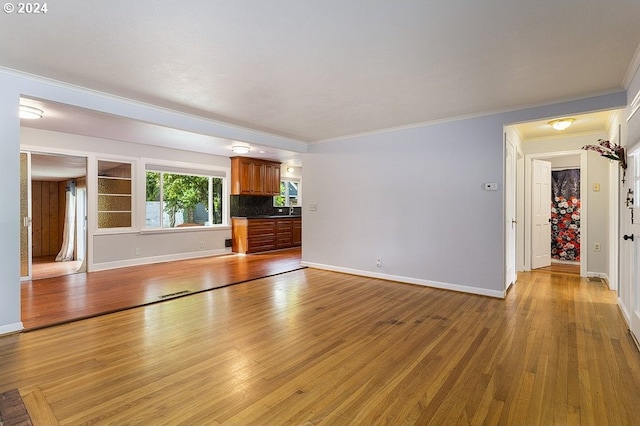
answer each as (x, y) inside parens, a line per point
(272, 178)
(251, 176)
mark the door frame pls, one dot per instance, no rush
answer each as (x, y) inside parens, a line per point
(511, 223)
(26, 222)
(584, 240)
(34, 149)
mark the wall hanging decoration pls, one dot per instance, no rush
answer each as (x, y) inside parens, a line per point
(565, 215)
(612, 151)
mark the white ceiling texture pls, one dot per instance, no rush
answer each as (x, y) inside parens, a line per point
(320, 69)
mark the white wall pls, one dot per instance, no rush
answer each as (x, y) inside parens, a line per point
(10, 213)
(414, 198)
(117, 249)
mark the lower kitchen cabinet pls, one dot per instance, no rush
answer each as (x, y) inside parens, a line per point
(297, 232)
(253, 235)
(284, 233)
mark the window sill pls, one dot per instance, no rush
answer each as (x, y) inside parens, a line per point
(213, 228)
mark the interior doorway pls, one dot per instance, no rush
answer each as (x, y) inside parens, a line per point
(563, 203)
(56, 218)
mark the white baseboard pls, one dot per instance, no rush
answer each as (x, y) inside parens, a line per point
(408, 280)
(625, 314)
(11, 328)
(158, 259)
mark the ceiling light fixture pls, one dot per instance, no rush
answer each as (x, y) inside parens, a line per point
(561, 123)
(240, 149)
(290, 169)
(30, 113)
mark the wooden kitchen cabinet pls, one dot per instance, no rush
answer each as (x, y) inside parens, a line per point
(272, 178)
(251, 176)
(253, 235)
(296, 238)
(284, 233)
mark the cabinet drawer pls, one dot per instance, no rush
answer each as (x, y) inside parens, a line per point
(261, 229)
(261, 243)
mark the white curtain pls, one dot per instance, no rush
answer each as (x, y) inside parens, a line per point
(68, 236)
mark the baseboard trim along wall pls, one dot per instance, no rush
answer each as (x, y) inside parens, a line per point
(625, 314)
(158, 259)
(11, 328)
(408, 280)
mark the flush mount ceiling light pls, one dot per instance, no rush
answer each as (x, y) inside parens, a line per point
(240, 149)
(561, 123)
(30, 113)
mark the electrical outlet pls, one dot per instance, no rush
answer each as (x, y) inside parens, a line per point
(201, 244)
(379, 262)
(137, 251)
(596, 247)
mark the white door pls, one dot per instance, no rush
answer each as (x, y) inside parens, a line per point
(25, 216)
(81, 225)
(630, 246)
(510, 213)
(541, 214)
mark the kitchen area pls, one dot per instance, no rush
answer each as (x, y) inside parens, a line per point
(266, 212)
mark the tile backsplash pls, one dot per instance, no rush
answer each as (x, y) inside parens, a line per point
(257, 205)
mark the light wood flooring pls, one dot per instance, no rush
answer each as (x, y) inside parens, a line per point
(317, 347)
(63, 298)
(561, 268)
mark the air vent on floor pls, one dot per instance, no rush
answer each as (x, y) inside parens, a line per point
(595, 280)
(177, 293)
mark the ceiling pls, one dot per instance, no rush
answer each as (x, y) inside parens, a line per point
(318, 70)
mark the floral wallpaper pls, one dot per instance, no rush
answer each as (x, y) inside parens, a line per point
(565, 214)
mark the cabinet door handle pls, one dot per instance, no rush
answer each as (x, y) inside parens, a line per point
(628, 237)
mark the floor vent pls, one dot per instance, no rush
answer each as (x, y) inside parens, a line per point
(595, 280)
(177, 293)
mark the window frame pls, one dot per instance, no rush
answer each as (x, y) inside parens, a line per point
(190, 169)
(286, 195)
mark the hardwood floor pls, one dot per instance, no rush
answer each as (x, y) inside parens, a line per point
(316, 347)
(561, 268)
(60, 299)
(47, 267)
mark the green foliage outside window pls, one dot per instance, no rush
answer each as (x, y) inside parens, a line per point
(184, 193)
(279, 200)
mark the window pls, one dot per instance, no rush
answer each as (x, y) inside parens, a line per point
(178, 198)
(289, 194)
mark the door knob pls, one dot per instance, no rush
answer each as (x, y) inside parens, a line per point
(628, 237)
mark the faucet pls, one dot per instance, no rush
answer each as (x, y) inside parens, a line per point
(290, 211)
